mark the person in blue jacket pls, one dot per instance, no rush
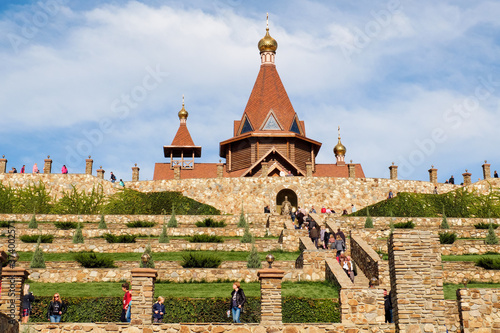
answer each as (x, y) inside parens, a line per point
(158, 310)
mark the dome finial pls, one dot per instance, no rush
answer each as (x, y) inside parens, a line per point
(267, 22)
(183, 114)
(339, 149)
(268, 43)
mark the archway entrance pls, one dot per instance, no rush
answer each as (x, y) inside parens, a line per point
(280, 197)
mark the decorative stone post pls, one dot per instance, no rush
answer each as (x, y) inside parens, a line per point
(393, 169)
(309, 169)
(433, 175)
(486, 170)
(220, 169)
(88, 166)
(264, 168)
(143, 290)
(47, 166)
(467, 176)
(352, 170)
(12, 291)
(135, 173)
(270, 294)
(3, 164)
(177, 172)
(100, 172)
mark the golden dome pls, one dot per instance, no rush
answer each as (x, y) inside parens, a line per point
(183, 114)
(268, 43)
(339, 149)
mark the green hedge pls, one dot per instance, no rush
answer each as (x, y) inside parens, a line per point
(110, 238)
(34, 238)
(190, 310)
(140, 224)
(210, 223)
(204, 238)
(66, 225)
(404, 225)
(488, 263)
(482, 225)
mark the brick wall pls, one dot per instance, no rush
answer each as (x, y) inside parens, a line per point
(479, 310)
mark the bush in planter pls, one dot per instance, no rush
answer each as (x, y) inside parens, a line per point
(210, 223)
(200, 260)
(204, 238)
(92, 260)
(447, 237)
(66, 225)
(34, 238)
(141, 224)
(78, 236)
(38, 261)
(110, 238)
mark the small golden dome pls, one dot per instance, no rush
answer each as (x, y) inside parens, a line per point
(183, 114)
(339, 149)
(268, 43)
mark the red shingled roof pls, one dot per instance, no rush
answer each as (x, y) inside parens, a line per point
(182, 137)
(334, 170)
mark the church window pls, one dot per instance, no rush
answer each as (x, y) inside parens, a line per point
(246, 127)
(295, 127)
(271, 124)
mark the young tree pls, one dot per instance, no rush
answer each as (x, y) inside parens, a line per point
(78, 236)
(444, 222)
(102, 223)
(164, 235)
(172, 223)
(242, 222)
(491, 238)
(253, 259)
(247, 236)
(38, 261)
(369, 220)
(33, 224)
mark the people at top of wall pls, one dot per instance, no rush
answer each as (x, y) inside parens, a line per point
(64, 170)
(112, 177)
(495, 174)
(35, 168)
(14, 170)
(353, 208)
(390, 195)
(267, 210)
(312, 210)
(451, 180)
(23, 169)
(122, 184)
(344, 212)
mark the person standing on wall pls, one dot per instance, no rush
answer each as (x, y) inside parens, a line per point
(238, 300)
(64, 170)
(113, 177)
(451, 180)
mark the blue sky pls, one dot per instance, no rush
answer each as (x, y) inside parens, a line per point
(417, 84)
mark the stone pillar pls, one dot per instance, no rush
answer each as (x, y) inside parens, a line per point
(88, 166)
(416, 284)
(467, 176)
(220, 170)
(3, 164)
(393, 169)
(486, 170)
(143, 291)
(270, 295)
(12, 283)
(433, 175)
(352, 170)
(135, 173)
(47, 166)
(264, 169)
(100, 172)
(3, 258)
(309, 169)
(177, 172)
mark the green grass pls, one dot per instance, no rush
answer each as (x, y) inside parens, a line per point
(196, 290)
(162, 256)
(468, 257)
(450, 290)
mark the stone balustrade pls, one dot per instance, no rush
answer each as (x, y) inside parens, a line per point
(365, 257)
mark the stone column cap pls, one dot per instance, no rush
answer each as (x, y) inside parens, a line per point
(144, 272)
(17, 271)
(3, 256)
(271, 273)
(467, 174)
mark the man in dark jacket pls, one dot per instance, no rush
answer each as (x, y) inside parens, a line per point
(387, 307)
(238, 299)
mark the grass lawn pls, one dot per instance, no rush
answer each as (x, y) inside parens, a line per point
(469, 257)
(196, 290)
(450, 290)
(161, 256)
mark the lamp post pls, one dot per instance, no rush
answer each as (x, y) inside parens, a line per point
(270, 260)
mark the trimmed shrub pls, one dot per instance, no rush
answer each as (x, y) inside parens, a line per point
(38, 261)
(66, 225)
(242, 222)
(204, 238)
(33, 224)
(488, 263)
(34, 238)
(172, 223)
(247, 236)
(447, 237)
(405, 225)
(150, 263)
(141, 224)
(491, 238)
(369, 220)
(444, 222)
(306, 310)
(210, 223)
(253, 259)
(6, 224)
(110, 238)
(78, 236)
(102, 223)
(164, 235)
(200, 260)
(93, 260)
(483, 225)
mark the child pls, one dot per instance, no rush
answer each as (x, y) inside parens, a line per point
(127, 298)
(158, 310)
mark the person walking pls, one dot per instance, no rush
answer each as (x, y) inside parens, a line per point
(113, 177)
(127, 299)
(35, 169)
(23, 169)
(56, 309)
(387, 307)
(238, 300)
(64, 170)
(158, 310)
(27, 299)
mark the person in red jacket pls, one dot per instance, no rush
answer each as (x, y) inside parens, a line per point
(127, 299)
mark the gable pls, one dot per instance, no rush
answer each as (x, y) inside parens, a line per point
(271, 123)
(295, 127)
(247, 127)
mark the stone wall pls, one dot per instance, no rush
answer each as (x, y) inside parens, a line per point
(209, 328)
(479, 310)
(456, 271)
(365, 257)
(452, 320)
(227, 194)
(362, 306)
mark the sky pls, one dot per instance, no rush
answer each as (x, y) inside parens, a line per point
(414, 83)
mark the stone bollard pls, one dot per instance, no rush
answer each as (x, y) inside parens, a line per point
(352, 170)
(467, 180)
(47, 166)
(143, 291)
(88, 166)
(486, 170)
(393, 171)
(433, 175)
(177, 172)
(12, 291)
(3, 164)
(135, 173)
(100, 172)
(309, 169)
(270, 295)
(264, 169)
(220, 169)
